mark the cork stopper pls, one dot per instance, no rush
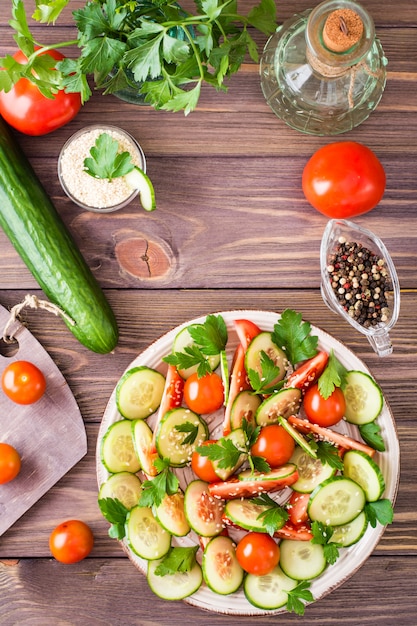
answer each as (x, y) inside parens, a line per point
(342, 30)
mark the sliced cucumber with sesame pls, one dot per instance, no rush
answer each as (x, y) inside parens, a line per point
(171, 514)
(350, 533)
(311, 471)
(301, 560)
(283, 403)
(298, 437)
(244, 406)
(203, 511)
(221, 569)
(247, 514)
(184, 340)
(145, 535)
(336, 501)
(139, 392)
(117, 449)
(179, 433)
(269, 591)
(137, 179)
(123, 486)
(174, 586)
(363, 470)
(364, 399)
(253, 357)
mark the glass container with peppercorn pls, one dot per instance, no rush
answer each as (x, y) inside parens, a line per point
(359, 281)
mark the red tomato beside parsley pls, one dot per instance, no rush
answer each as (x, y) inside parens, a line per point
(344, 179)
(274, 444)
(204, 394)
(23, 382)
(10, 463)
(257, 553)
(324, 411)
(71, 541)
(32, 113)
(202, 466)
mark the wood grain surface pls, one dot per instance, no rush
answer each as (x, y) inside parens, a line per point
(232, 230)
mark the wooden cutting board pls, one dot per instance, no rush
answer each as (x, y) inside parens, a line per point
(49, 435)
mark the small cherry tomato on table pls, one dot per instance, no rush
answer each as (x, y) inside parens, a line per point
(10, 463)
(204, 394)
(324, 411)
(71, 541)
(27, 110)
(202, 466)
(257, 553)
(274, 444)
(23, 382)
(344, 179)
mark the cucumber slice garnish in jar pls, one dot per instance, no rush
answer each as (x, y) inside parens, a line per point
(137, 179)
(363, 470)
(139, 392)
(117, 449)
(363, 396)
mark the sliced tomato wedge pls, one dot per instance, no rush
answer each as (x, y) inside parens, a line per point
(298, 532)
(342, 441)
(171, 398)
(246, 331)
(297, 508)
(261, 483)
(308, 372)
(238, 382)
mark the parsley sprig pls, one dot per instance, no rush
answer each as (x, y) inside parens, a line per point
(298, 597)
(274, 516)
(294, 337)
(322, 534)
(115, 512)
(178, 559)
(263, 383)
(106, 161)
(171, 52)
(380, 511)
(334, 375)
(155, 489)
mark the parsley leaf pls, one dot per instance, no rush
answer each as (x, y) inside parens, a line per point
(154, 490)
(371, 434)
(190, 428)
(115, 512)
(328, 454)
(333, 376)
(293, 336)
(274, 516)
(106, 161)
(224, 452)
(191, 356)
(380, 511)
(178, 559)
(262, 383)
(322, 535)
(298, 596)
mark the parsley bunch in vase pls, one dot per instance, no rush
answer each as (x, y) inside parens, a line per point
(154, 51)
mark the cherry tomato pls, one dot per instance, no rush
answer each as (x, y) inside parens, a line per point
(274, 444)
(343, 179)
(23, 382)
(204, 394)
(202, 466)
(71, 541)
(257, 553)
(10, 463)
(321, 411)
(32, 113)
(297, 507)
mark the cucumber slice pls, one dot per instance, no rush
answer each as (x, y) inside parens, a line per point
(244, 406)
(348, 534)
(122, 486)
(179, 433)
(263, 343)
(174, 586)
(336, 501)
(224, 369)
(184, 340)
(247, 514)
(142, 440)
(137, 179)
(171, 515)
(117, 450)
(139, 392)
(221, 569)
(364, 399)
(238, 438)
(298, 437)
(311, 472)
(363, 470)
(301, 560)
(283, 403)
(145, 536)
(269, 591)
(203, 511)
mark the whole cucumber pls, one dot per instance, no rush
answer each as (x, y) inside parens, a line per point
(40, 237)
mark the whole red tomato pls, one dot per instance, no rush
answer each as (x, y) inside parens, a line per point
(23, 382)
(71, 541)
(32, 113)
(274, 444)
(257, 553)
(10, 463)
(344, 179)
(204, 394)
(202, 465)
(324, 411)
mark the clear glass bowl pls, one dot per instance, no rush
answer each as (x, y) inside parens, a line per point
(344, 282)
(92, 194)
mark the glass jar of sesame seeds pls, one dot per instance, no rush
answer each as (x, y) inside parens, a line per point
(90, 192)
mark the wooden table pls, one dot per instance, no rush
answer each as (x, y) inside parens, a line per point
(232, 230)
